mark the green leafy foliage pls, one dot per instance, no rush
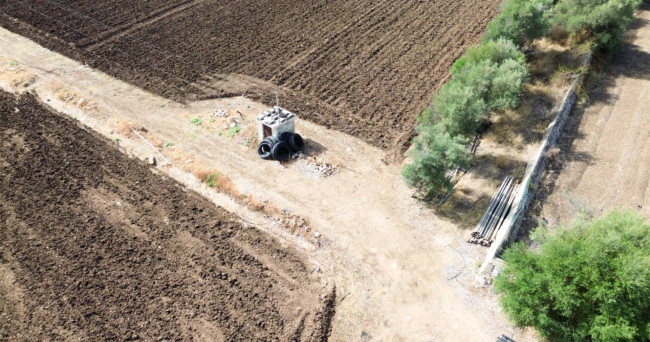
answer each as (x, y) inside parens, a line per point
(435, 151)
(604, 20)
(507, 85)
(520, 21)
(460, 106)
(196, 121)
(589, 282)
(489, 77)
(494, 51)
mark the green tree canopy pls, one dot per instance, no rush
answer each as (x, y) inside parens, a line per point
(520, 21)
(489, 77)
(605, 20)
(589, 282)
(494, 51)
(434, 153)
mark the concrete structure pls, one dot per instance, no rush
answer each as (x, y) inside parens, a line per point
(274, 122)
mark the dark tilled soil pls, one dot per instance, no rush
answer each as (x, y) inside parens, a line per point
(96, 246)
(363, 67)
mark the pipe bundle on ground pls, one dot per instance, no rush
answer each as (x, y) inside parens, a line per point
(487, 228)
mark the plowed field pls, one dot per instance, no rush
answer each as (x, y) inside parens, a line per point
(95, 246)
(363, 67)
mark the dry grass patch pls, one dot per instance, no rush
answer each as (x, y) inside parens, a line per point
(124, 127)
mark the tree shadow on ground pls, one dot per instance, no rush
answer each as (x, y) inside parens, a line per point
(463, 209)
(313, 148)
(465, 206)
(527, 124)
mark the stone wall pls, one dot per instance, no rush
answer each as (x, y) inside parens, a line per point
(533, 175)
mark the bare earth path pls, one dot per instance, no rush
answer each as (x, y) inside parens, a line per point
(607, 144)
(401, 273)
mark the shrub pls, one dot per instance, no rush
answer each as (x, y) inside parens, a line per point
(520, 21)
(603, 20)
(489, 77)
(495, 51)
(460, 107)
(507, 84)
(232, 131)
(590, 282)
(434, 153)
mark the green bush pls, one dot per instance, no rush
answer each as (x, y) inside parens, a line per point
(603, 20)
(434, 152)
(507, 84)
(489, 77)
(520, 21)
(494, 51)
(460, 105)
(590, 282)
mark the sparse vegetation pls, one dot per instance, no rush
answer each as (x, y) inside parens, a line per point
(232, 131)
(213, 179)
(196, 121)
(169, 144)
(589, 282)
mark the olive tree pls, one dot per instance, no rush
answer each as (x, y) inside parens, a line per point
(520, 21)
(434, 152)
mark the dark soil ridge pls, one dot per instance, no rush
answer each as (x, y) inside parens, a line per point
(96, 246)
(366, 68)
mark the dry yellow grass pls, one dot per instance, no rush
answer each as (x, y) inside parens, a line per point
(199, 170)
(153, 139)
(254, 203)
(222, 183)
(124, 128)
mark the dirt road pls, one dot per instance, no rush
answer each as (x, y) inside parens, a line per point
(606, 145)
(402, 274)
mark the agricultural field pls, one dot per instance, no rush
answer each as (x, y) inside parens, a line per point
(96, 246)
(366, 68)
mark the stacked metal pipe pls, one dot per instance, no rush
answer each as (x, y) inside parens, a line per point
(487, 228)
